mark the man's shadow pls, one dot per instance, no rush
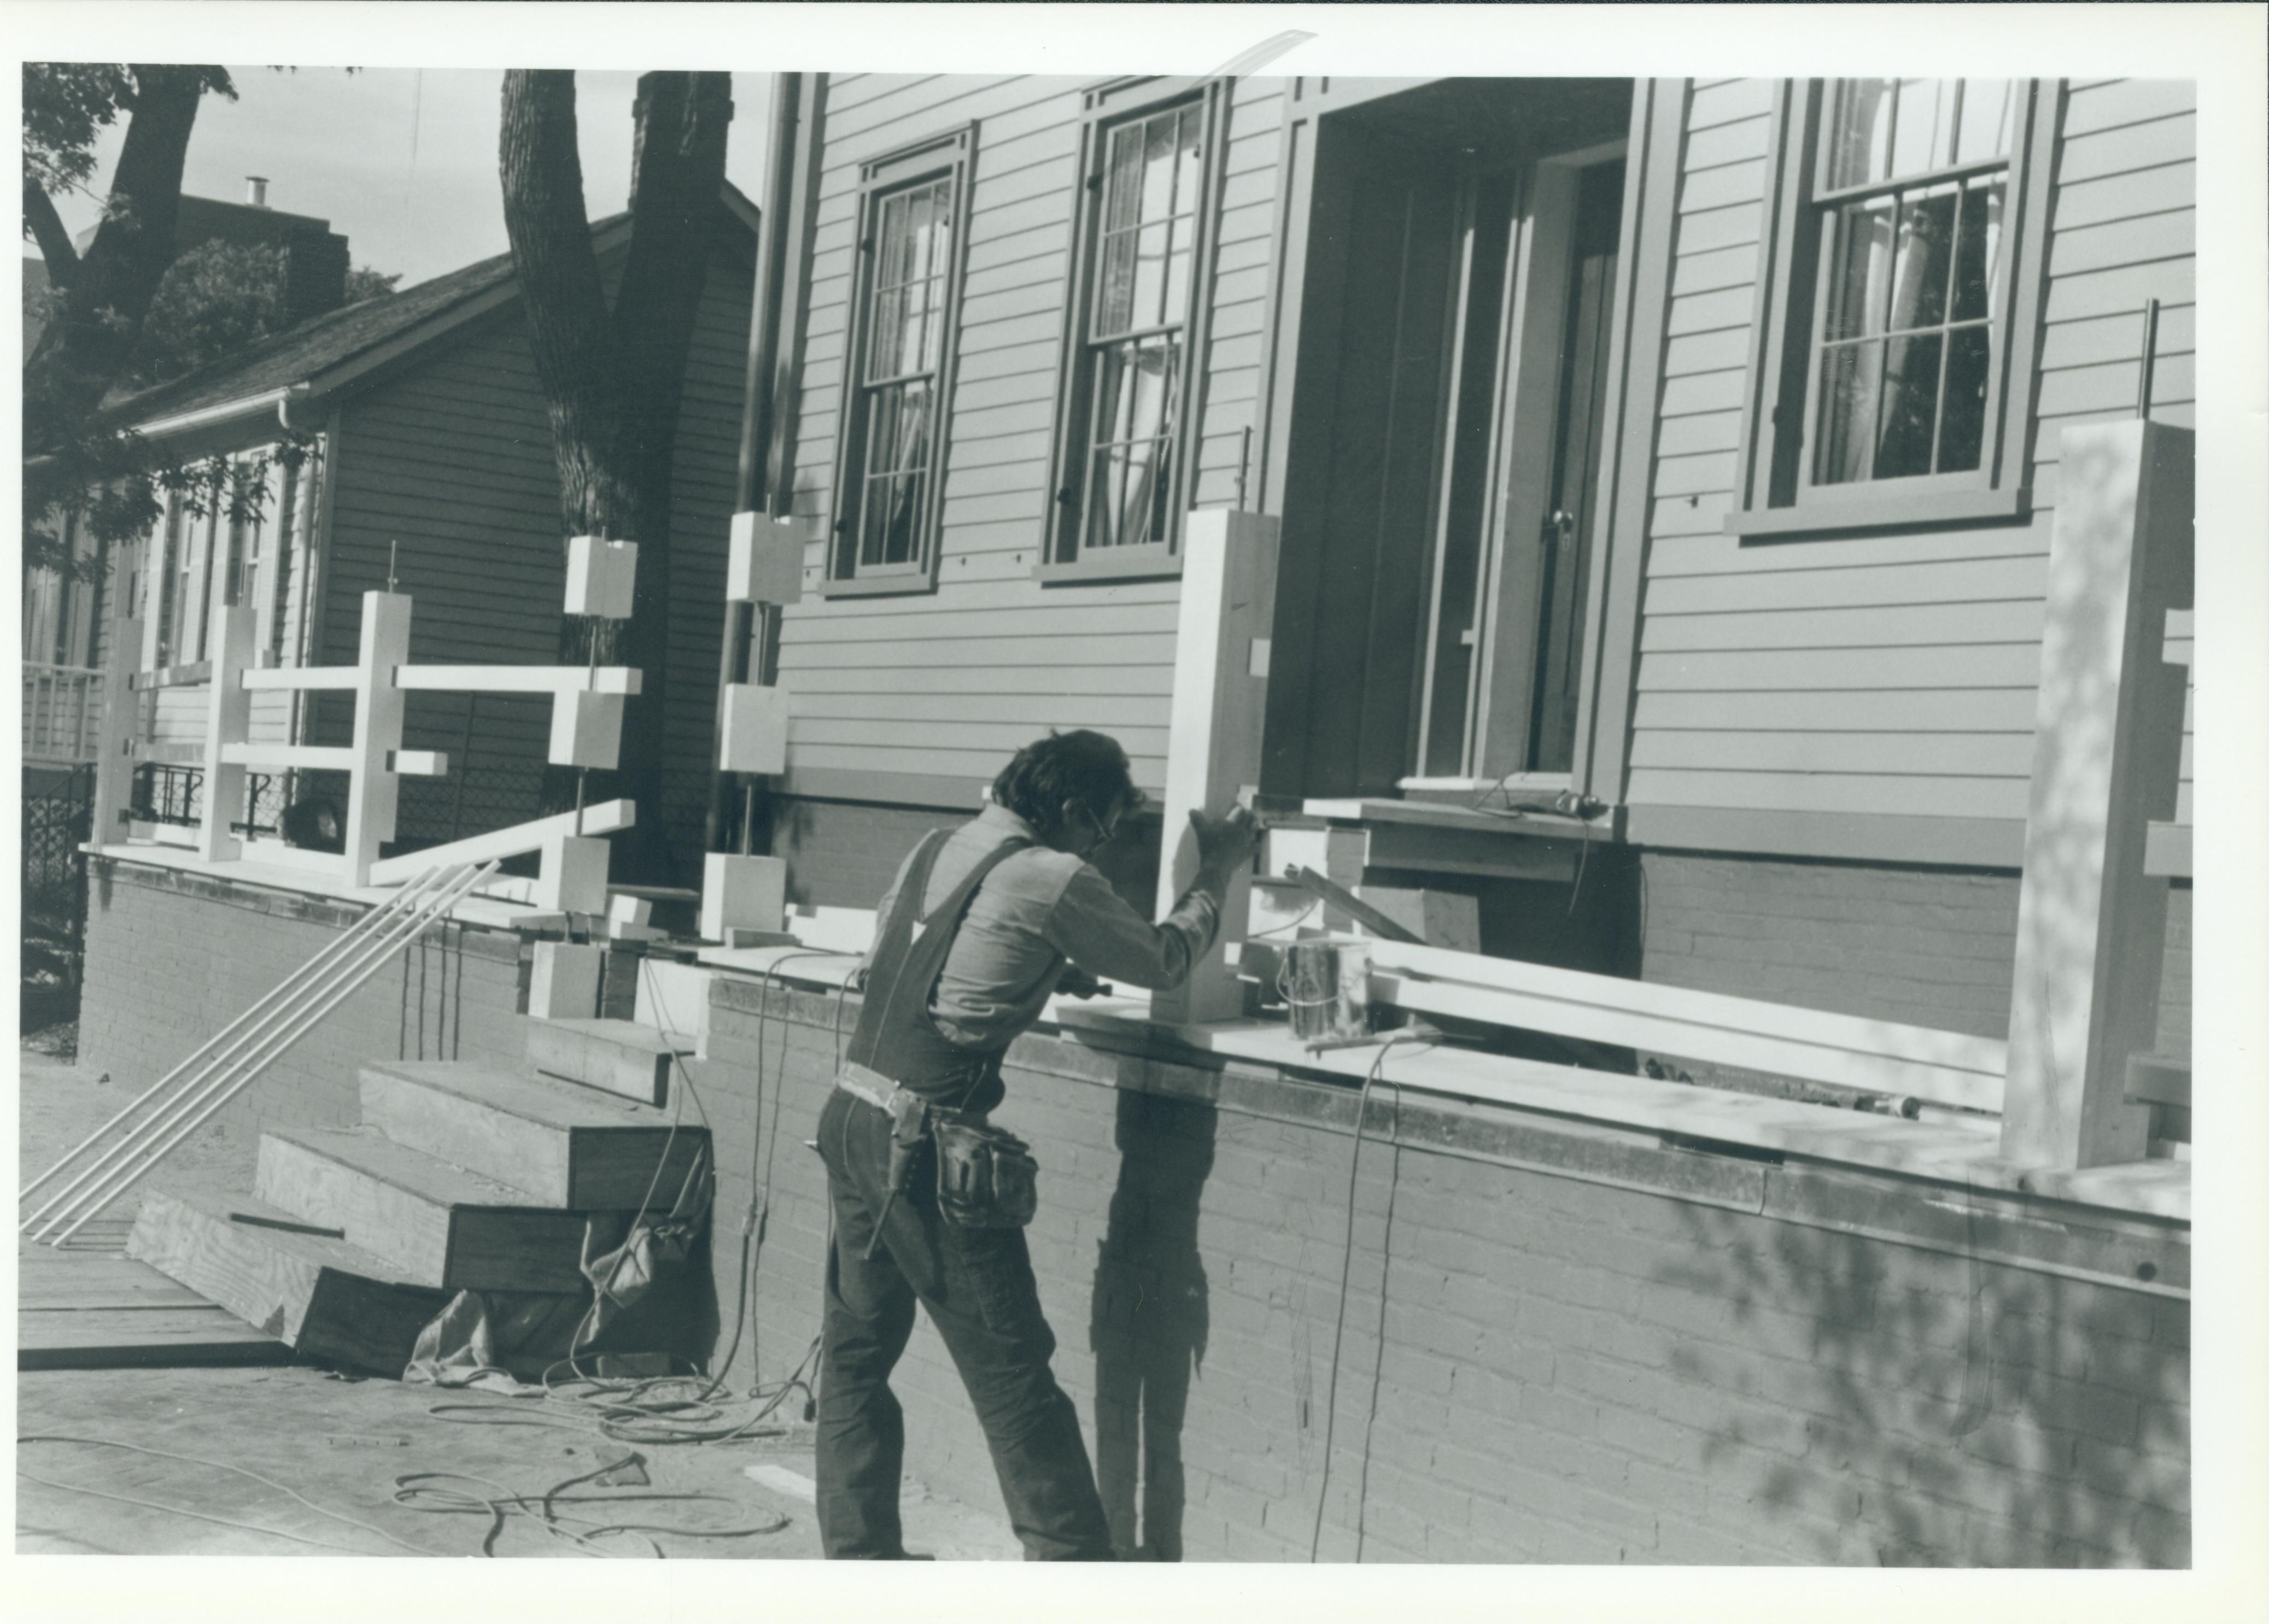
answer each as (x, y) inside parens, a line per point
(1149, 1328)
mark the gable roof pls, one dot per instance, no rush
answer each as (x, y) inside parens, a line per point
(327, 351)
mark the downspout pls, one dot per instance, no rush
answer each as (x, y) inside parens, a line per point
(751, 494)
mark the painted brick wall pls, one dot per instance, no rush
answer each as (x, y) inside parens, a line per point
(1929, 947)
(171, 959)
(1560, 1369)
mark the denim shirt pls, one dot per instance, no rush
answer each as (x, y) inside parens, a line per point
(1037, 910)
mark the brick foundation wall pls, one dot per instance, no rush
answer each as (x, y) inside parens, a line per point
(172, 958)
(1928, 947)
(1593, 1349)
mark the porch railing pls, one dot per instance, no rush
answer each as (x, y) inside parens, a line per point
(62, 712)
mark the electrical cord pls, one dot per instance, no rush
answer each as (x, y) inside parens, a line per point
(1346, 1263)
(431, 1492)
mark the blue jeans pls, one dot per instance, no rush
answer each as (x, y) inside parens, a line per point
(977, 1286)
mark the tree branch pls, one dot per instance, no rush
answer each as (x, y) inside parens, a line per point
(47, 228)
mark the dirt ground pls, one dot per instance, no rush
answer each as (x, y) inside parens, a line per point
(335, 1451)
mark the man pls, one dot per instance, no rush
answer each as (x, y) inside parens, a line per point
(977, 930)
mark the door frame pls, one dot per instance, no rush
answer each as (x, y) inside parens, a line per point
(1652, 144)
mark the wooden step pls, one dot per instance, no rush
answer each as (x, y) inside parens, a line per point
(565, 1147)
(443, 1225)
(324, 1297)
(618, 1057)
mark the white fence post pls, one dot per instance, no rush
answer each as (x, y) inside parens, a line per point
(374, 791)
(228, 720)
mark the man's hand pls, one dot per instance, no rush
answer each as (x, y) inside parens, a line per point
(1224, 843)
(1076, 983)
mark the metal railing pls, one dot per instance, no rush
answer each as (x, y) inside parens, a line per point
(62, 712)
(236, 1057)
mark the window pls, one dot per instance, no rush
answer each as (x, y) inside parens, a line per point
(900, 366)
(1891, 379)
(1124, 423)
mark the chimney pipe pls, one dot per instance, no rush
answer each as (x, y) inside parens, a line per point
(256, 190)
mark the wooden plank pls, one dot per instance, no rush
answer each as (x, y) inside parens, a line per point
(194, 675)
(269, 679)
(618, 1057)
(605, 818)
(508, 679)
(580, 1148)
(1937, 712)
(1803, 670)
(2119, 196)
(96, 1339)
(445, 1226)
(1981, 1057)
(1930, 582)
(1895, 794)
(1934, 625)
(228, 721)
(2158, 1080)
(2090, 922)
(1867, 837)
(1220, 676)
(2167, 850)
(325, 1298)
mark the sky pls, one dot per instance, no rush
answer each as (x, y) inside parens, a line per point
(403, 161)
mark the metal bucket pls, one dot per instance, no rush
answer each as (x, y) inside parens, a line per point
(1327, 984)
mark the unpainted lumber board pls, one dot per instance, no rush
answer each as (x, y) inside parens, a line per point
(567, 1147)
(422, 1214)
(97, 1340)
(620, 1056)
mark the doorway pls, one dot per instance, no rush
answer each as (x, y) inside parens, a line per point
(1445, 435)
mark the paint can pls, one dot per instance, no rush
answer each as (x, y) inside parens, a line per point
(1326, 985)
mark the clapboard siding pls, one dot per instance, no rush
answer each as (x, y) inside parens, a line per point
(1878, 675)
(448, 466)
(947, 682)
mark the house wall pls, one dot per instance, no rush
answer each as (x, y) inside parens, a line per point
(920, 698)
(1837, 681)
(444, 473)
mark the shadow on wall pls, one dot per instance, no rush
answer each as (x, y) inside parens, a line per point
(1150, 1318)
(1964, 1412)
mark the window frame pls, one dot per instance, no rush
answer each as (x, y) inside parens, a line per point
(1775, 492)
(945, 156)
(1104, 108)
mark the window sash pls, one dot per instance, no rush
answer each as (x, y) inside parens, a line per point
(1787, 484)
(1123, 445)
(901, 354)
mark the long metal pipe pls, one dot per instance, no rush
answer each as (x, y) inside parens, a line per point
(339, 947)
(439, 907)
(216, 1072)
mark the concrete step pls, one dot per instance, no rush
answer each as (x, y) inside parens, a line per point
(618, 1057)
(445, 1226)
(324, 1297)
(566, 1146)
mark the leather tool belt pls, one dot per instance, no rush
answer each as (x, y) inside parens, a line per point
(987, 1178)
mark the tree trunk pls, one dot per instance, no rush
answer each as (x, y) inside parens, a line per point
(612, 379)
(106, 293)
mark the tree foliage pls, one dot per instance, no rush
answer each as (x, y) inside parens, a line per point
(101, 297)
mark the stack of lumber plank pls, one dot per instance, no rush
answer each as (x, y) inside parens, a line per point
(458, 1177)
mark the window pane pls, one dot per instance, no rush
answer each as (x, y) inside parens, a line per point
(1859, 288)
(1122, 181)
(1851, 383)
(1977, 254)
(1150, 308)
(1969, 369)
(1128, 482)
(1989, 114)
(1925, 252)
(1158, 166)
(1923, 128)
(1910, 410)
(1115, 294)
(1859, 132)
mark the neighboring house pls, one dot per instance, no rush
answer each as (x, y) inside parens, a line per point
(60, 613)
(428, 465)
(1685, 449)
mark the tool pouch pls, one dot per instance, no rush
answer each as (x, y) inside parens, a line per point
(986, 1179)
(910, 1125)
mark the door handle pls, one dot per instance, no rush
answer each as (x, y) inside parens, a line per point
(1558, 526)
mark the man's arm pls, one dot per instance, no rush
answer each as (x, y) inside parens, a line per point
(1093, 927)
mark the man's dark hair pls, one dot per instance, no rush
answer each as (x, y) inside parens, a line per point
(1082, 765)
